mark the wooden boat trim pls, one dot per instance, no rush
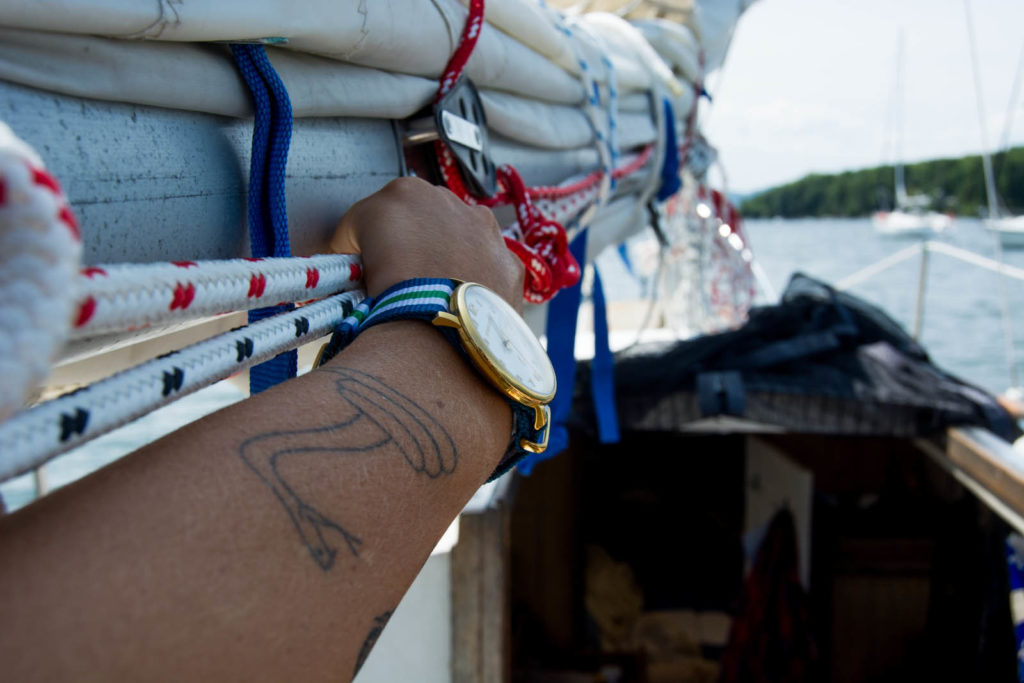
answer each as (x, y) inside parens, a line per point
(986, 465)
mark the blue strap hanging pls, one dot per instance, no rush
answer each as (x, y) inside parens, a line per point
(670, 182)
(602, 370)
(268, 215)
(561, 330)
(563, 312)
(623, 252)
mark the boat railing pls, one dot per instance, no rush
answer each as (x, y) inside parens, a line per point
(987, 466)
(923, 250)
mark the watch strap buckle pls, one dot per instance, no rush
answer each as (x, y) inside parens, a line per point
(542, 423)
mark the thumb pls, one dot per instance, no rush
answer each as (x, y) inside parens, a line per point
(345, 239)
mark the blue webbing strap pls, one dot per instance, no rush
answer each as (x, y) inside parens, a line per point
(602, 370)
(268, 215)
(561, 330)
(623, 252)
(424, 298)
(721, 393)
(670, 182)
(421, 298)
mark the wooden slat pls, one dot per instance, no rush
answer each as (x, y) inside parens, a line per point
(991, 462)
(481, 644)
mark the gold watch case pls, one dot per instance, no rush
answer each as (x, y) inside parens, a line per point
(487, 361)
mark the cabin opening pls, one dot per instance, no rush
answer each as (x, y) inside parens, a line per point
(629, 562)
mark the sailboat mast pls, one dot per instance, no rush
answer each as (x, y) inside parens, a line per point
(901, 185)
(986, 158)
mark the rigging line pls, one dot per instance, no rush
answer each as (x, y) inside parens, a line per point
(890, 114)
(991, 196)
(900, 99)
(875, 268)
(1004, 143)
(986, 160)
(977, 260)
(652, 299)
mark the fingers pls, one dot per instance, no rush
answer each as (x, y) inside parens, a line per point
(413, 229)
(377, 206)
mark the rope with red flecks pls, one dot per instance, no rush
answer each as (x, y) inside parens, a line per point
(40, 246)
(129, 296)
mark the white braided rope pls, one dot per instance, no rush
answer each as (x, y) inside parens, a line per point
(113, 298)
(39, 253)
(35, 436)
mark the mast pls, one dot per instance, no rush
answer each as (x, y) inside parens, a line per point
(986, 159)
(901, 185)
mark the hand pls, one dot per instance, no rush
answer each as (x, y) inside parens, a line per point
(413, 229)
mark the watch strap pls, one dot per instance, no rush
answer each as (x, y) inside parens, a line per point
(522, 430)
(423, 299)
(417, 299)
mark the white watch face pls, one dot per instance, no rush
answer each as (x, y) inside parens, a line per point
(507, 342)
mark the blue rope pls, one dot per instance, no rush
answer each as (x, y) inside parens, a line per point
(280, 139)
(602, 369)
(260, 141)
(268, 214)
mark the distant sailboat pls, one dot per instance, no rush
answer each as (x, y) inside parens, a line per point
(910, 217)
(1009, 228)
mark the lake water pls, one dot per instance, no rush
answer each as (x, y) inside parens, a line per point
(962, 330)
(962, 320)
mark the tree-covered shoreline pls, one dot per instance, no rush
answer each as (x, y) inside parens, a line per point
(954, 185)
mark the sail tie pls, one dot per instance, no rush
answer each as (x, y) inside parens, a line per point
(543, 245)
(268, 215)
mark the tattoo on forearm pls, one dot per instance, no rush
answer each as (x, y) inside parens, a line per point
(375, 418)
(379, 622)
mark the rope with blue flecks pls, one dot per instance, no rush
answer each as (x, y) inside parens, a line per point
(37, 435)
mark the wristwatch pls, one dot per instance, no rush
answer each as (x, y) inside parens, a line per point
(488, 333)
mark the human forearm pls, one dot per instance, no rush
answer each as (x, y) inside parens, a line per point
(278, 529)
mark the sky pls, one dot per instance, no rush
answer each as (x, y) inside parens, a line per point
(807, 85)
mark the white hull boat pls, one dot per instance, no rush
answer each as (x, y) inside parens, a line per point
(1009, 229)
(910, 224)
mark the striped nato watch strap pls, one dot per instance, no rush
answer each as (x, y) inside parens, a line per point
(423, 299)
(417, 299)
